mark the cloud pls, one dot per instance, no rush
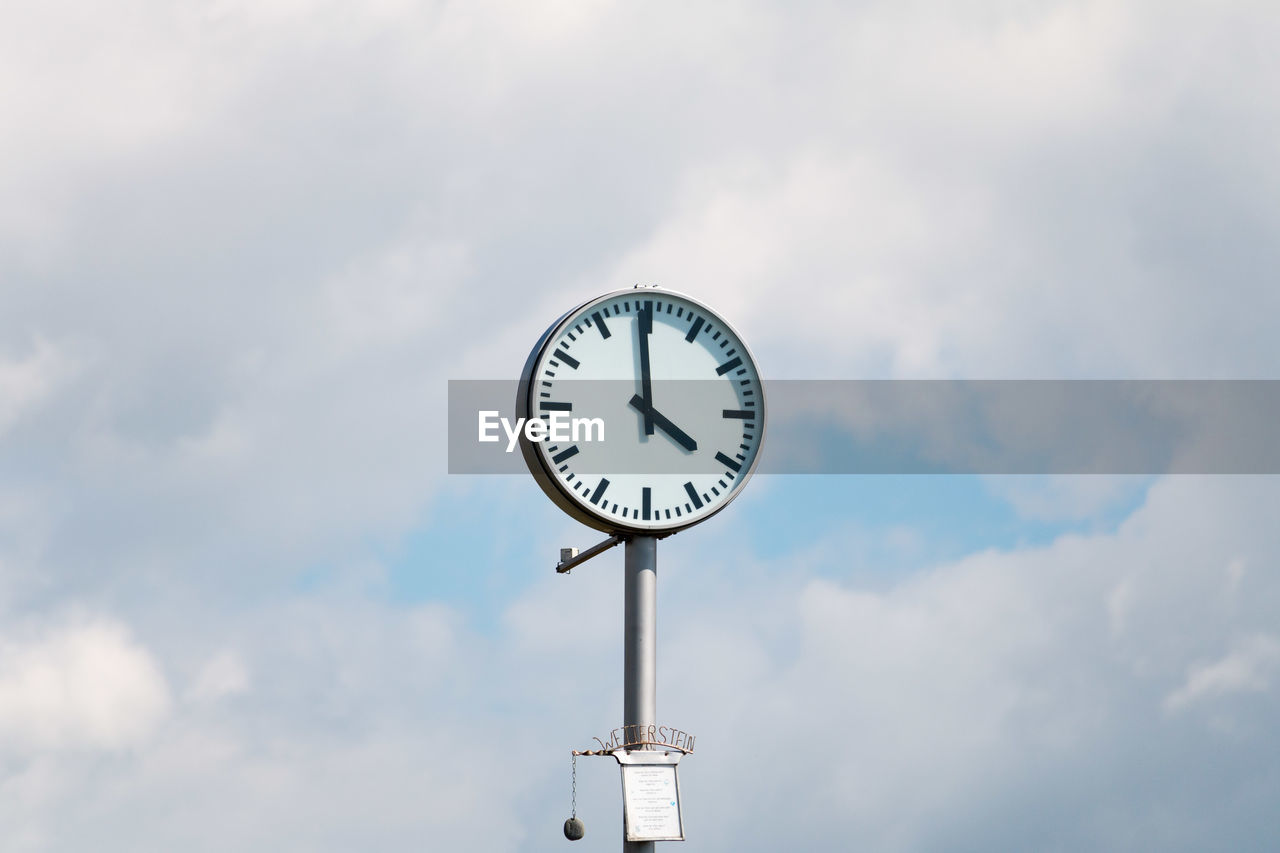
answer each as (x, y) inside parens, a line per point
(1066, 497)
(27, 381)
(397, 296)
(242, 247)
(934, 709)
(223, 676)
(1246, 668)
(939, 710)
(86, 684)
(297, 222)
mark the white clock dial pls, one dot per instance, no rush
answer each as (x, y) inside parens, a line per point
(679, 400)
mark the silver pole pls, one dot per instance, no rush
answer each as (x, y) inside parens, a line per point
(640, 645)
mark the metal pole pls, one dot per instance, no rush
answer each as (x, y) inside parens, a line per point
(640, 645)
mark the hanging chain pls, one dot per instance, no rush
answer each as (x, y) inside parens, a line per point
(574, 778)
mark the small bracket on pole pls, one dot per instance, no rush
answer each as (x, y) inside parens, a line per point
(569, 557)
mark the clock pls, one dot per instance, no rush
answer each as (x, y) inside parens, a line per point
(652, 410)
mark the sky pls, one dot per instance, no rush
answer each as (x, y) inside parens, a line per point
(245, 246)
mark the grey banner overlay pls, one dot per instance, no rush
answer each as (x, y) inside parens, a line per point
(960, 426)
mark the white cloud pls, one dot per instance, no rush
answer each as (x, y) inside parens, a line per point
(87, 684)
(403, 293)
(1246, 668)
(1037, 680)
(275, 229)
(1030, 681)
(25, 382)
(224, 675)
(1056, 498)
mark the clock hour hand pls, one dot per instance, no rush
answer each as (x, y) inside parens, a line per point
(644, 328)
(678, 435)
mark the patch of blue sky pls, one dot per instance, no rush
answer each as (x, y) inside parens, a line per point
(908, 521)
(483, 541)
(486, 539)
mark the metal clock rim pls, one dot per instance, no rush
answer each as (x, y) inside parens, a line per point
(546, 479)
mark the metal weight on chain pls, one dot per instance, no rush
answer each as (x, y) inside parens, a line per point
(573, 828)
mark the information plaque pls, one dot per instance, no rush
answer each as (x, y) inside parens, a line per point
(651, 803)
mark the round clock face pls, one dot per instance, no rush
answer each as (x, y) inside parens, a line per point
(653, 411)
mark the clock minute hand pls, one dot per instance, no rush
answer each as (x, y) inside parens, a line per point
(678, 435)
(644, 327)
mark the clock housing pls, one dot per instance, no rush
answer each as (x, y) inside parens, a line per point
(680, 401)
